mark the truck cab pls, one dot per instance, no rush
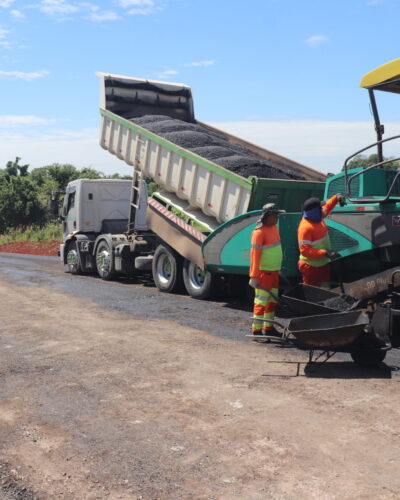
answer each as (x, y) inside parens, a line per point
(92, 207)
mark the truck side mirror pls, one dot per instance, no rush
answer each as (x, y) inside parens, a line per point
(54, 202)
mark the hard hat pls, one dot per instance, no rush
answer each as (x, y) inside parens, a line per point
(268, 209)
(312, 203)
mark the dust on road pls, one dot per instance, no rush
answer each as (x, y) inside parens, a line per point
(100, 404)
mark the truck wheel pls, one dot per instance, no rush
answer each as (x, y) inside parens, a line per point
(198, 283)
(73, 261)
(105, 261)
(167, 270)
(368, 358)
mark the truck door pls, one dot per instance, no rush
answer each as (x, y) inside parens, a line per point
(69, 211)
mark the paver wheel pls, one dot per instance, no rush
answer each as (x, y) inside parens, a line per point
(368, 358)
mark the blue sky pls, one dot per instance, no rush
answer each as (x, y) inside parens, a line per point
(281, 73)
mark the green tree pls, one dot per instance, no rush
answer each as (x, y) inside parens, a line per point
(25, 196)
(367, 161)
(119, 176)
(61, 174)
(13, 168)
(19, 203)
(90, 173)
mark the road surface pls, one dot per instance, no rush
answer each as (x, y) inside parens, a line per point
(115, 391)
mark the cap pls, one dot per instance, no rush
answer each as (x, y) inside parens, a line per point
(312, 203)
(268, 209)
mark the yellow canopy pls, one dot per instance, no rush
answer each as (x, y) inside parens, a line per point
(384, 77)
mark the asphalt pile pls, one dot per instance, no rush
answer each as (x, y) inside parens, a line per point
(341, 303)
(212, 146)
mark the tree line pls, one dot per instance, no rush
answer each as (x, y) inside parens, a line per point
(25, 196)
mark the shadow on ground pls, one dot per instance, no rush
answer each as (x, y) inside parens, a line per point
(329, 370)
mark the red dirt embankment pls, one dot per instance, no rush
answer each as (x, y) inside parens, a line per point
(45, 247)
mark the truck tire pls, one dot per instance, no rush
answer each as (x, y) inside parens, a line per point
(105, 261)
(167, 270)
(199, 284)
(73, 260)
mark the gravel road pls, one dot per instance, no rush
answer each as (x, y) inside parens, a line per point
(115, 391)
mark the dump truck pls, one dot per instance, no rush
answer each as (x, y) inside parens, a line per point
(194, 231)
(181, 232)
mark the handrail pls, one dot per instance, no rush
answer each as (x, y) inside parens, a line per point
(348, 179)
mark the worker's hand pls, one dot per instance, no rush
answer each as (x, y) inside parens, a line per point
(341, 199)
(253, 282)
(331, 254)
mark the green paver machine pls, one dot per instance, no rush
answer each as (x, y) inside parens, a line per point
(366, 231)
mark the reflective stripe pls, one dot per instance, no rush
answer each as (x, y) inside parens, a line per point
(312, 243)
(266, 250)
(263, 247)
(262, 297)
(256, 325)
(320, 244)
(267, 324)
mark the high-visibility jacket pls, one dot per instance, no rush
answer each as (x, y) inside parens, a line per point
(314, 238)
(266, 250)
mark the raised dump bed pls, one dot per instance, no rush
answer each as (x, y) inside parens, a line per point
(218, 192)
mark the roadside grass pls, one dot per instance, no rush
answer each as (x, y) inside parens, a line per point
(44, 234)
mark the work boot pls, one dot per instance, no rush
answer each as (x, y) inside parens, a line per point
(271, 332)
(258, 336)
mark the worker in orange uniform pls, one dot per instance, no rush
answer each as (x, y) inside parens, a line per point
(314, 243)
(265, 264)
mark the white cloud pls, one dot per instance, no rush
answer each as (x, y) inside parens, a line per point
(100, 17)
(80, 148)
(57, 7)
(200, 63)
(4, 43)
(167, 73)
(138, 7)
(61, 9)
(6, 3)
(13, 121)
(21, 75)
(374, 2)
(17, 14)
(322, 145)
(316, 40)
(3, 33)
(135, 3)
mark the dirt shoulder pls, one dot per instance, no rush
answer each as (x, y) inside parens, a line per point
(97, 404)
(45, 247)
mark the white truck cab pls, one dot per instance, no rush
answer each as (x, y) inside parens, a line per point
(92, 207)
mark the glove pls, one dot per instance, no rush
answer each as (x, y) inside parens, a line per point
(341, 199)
(331, 254)
(253, 282)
